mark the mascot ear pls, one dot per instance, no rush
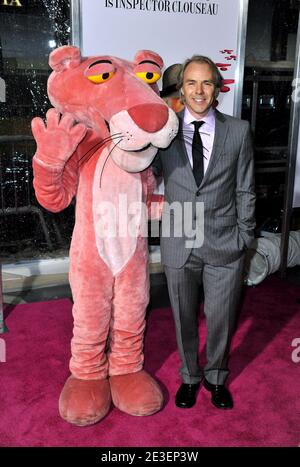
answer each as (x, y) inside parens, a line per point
(64, 58)
(148, 55)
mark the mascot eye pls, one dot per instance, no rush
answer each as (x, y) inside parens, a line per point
(149, 77)
(101, 78)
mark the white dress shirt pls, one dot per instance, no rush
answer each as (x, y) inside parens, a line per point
(207, 133)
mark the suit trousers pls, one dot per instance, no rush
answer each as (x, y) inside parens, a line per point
(222, 289)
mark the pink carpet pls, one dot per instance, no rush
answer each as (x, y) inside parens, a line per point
(264, 380)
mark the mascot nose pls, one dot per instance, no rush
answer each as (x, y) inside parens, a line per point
(149, 117)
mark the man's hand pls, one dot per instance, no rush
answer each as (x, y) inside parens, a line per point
(58, 139)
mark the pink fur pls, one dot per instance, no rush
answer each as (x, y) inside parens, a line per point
(109, 278)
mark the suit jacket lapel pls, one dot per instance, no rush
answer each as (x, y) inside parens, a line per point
(221, 129)
(182, 149)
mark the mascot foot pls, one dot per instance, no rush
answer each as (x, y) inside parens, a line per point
(84, 402)
(136, 393)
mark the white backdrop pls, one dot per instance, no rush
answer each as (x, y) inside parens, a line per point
(176, 29)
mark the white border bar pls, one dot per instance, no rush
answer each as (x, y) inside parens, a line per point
(241, 47)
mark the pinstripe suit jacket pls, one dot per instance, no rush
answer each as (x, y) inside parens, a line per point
(227, 193)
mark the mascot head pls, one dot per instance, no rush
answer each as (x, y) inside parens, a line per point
(117, 99)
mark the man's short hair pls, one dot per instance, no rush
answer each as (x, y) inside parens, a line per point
(217, 77)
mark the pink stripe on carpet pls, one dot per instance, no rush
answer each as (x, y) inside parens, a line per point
(264, 380)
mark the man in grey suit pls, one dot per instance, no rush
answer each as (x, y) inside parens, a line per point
(207, 223)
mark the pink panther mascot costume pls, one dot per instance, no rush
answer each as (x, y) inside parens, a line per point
(97, 144)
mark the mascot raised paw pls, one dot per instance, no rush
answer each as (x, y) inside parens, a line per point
(97, 144)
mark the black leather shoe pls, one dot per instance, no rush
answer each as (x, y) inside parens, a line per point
(220, 395)
(186, 395)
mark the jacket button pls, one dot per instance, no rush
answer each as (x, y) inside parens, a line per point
(198, 193)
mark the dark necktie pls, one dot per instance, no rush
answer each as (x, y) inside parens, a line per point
(197, 152)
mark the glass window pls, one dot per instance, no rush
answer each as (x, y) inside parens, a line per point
(29, 30)
(269, 68)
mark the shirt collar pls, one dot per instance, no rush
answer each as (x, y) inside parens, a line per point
(209, 118)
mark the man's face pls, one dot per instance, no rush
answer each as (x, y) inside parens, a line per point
(198, 89)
